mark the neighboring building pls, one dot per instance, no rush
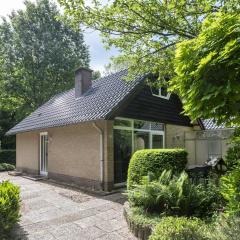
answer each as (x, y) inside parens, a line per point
(87, 135)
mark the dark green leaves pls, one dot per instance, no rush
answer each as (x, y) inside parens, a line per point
(38, 55)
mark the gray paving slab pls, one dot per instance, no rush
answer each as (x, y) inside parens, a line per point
(54, 212)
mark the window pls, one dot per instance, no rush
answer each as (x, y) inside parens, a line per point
(157, 141)
(138, 124)
(141, 140)
(161, 92)
(122, 122)
(129, 136)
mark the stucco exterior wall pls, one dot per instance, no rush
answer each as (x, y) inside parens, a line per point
(73, 153)
(27, 152)
(175, 135)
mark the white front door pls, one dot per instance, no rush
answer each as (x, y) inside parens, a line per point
(43, 153)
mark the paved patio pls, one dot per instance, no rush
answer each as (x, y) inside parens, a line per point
(50, 211)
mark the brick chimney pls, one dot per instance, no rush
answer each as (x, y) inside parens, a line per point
(83, 81)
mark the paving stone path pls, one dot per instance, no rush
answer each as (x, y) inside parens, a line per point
(50, 211)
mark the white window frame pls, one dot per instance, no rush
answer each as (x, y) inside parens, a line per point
(160, 94)
(132, 129)
(45, 173)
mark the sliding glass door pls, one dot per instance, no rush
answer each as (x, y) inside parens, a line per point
(122, 154)
(132, 135)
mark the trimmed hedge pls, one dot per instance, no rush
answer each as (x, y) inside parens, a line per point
(155, 161)
(173, 228)
(8, 156)
(9, 207)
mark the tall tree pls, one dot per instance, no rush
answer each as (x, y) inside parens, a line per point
(38, 54)
(208, 70)
(7, 120)
(147, 32)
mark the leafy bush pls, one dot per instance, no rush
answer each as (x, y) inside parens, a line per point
(143, 218)
(230, 189)
(180, 228)
(6, 167)
(8, 156)
(9, 207)
(155, 161)
(233, 153)
(172, 195)
(226, 228)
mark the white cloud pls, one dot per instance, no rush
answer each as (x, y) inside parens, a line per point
(99, 55)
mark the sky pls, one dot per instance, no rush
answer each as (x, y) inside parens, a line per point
(99, 56)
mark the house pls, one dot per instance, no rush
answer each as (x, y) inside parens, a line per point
(87, 135)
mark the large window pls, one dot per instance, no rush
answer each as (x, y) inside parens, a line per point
(132, 135)
(144, 134)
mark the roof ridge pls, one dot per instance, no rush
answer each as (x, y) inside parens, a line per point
(106, 93)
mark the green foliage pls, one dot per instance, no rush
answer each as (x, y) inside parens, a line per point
(8, 156)
(208, 70)
(155, 161)
(172, 195)
(232, 158)
(230, 189)
(144, 31)
(142, 218)
(7, 120)
(181, 228)
(96, 75)
(38, 55)
(226, 228)
(6, 167)
(9, 207)
(147, 32)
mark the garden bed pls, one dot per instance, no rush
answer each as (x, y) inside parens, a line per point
(140, 224)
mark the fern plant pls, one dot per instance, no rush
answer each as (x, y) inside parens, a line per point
(172, 195)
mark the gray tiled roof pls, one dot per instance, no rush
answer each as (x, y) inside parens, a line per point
(64, 109)
(211, 124)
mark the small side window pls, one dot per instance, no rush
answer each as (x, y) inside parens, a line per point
(161, 92)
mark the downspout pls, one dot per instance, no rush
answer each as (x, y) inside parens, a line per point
(101, 157)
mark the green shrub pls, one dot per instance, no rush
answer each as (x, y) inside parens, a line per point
(180, 228)
(172, 195)
(8, 156)
(9, 207)
(226, 228)
(142, 218)
(155, 161)
(233, 153)
(230, 189)
(6, 167)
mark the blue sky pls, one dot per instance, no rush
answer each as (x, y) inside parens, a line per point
(99, 56)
